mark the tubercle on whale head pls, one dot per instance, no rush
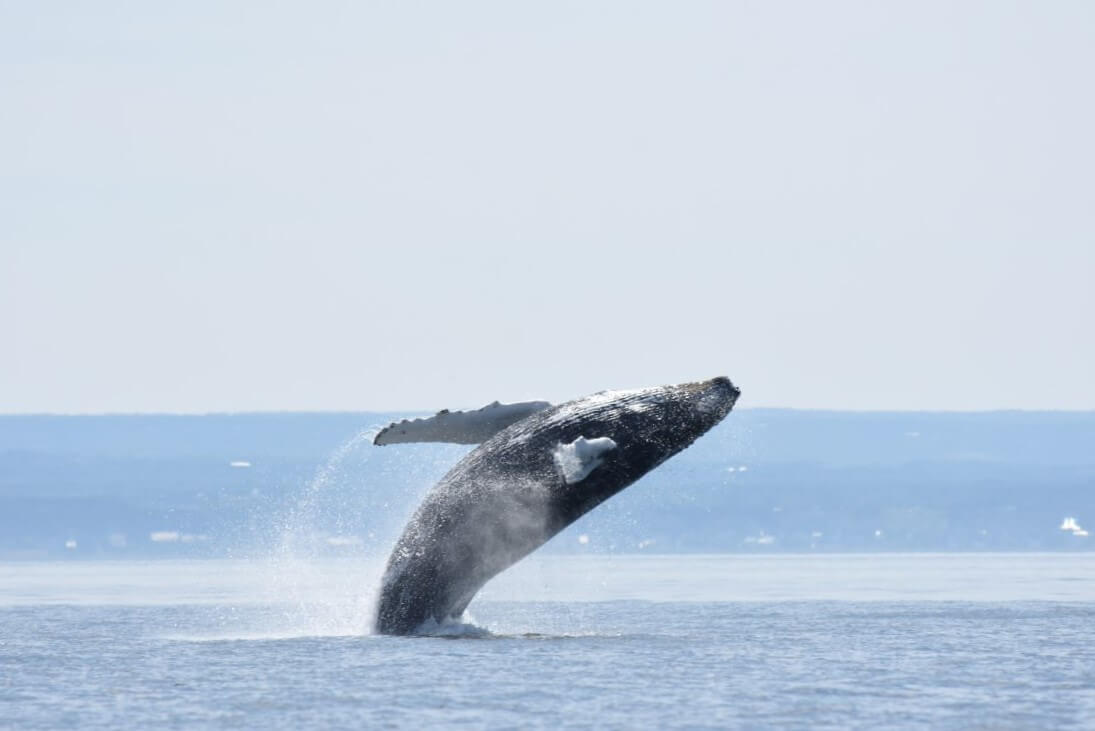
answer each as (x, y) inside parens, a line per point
(663, 420)
(713, 399)
(646, 427)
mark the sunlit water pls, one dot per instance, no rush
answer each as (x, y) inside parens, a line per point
(954, 640)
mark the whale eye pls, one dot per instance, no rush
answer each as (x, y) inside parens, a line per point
(579, 458)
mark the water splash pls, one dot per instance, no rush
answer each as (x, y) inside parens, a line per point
(463, 628)
(301, 533)
(315, 594)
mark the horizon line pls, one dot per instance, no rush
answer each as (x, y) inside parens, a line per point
(409, 412)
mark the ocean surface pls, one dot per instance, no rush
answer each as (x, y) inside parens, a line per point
(841, 641)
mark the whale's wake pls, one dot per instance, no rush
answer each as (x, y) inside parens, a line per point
(463, 628)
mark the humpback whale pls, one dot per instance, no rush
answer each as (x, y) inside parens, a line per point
(537, 469)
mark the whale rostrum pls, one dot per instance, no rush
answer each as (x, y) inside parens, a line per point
(537, 469)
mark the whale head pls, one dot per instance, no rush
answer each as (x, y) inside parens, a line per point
(701, 405)
(625, 434)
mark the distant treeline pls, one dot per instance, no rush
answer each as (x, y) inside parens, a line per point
(764, 480)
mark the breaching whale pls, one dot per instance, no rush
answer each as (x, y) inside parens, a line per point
(538, 469)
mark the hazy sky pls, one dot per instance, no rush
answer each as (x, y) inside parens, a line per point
(211, 206)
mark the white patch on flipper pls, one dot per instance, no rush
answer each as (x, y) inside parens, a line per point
(577, 459)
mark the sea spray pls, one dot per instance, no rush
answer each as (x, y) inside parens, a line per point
(317, 575)
(330, 542)
(311, 519)
(321, 595)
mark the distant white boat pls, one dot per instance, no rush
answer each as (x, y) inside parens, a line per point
(1070, 524)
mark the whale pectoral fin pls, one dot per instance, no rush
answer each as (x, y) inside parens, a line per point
(579, 458)
(459, 427)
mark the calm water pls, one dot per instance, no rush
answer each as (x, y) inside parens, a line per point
(841, 641)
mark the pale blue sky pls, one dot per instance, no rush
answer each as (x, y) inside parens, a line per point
(211, 206)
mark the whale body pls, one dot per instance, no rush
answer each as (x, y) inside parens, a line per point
(545, 467)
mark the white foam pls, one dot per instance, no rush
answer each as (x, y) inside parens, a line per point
(449, 627)
(577, 459)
